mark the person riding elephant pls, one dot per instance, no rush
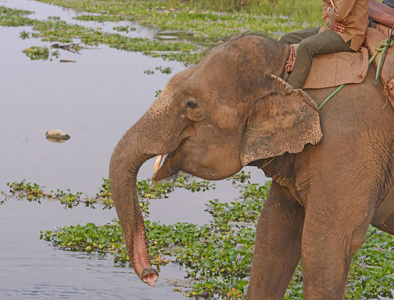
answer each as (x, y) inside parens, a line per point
(347, 22)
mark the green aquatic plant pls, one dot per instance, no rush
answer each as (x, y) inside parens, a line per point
(166, 70)
(70, 199)
(240, 178)
(146, 191)
(300, 11)
(124, 28)
(34, 192)
(149, 72)
(40, 53)
(54, 18)
(27, 35)
(157, 93)
(14, 17)
(103, 18)
(28, 191)
(91, 237)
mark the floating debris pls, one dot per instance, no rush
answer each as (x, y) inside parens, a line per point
(74, 48)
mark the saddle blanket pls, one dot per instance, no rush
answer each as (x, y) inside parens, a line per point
(335, 69)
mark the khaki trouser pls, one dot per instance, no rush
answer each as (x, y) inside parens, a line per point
(311, 43)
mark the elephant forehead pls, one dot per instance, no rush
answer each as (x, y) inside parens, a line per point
(218, 65)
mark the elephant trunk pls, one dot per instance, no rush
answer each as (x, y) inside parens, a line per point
(152, 135)
(125, 163)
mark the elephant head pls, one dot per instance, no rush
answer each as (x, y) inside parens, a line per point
(211, 120)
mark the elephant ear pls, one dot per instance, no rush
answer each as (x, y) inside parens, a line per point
(284, 120)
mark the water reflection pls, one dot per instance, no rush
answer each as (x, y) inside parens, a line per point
(57, 141)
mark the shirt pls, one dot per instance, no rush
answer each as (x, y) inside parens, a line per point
(354, 13)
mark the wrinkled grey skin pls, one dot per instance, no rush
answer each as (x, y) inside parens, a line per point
(231, 110)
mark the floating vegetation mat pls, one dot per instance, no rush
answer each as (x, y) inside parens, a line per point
(146, 191)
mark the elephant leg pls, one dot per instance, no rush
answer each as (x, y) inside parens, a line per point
(334, 229)
(277, 248)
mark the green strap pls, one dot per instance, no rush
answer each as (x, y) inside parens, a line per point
(268, 162)
(331, 95)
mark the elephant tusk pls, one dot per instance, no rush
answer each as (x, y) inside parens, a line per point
(157, 163)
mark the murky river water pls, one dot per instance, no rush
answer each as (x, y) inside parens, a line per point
(95, 101)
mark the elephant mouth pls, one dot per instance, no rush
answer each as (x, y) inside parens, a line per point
(167, 169)
(171, 166)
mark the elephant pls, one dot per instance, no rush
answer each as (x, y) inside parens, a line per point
(331, 168)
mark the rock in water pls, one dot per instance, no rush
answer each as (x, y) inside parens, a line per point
(56, 135)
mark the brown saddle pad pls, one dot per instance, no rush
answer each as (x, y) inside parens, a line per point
(339, 68)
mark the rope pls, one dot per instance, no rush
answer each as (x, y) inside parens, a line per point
(383, 45)
(380, 48)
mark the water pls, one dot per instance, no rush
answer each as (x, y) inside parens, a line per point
(94, 100)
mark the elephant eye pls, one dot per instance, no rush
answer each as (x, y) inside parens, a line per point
(191, 104)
